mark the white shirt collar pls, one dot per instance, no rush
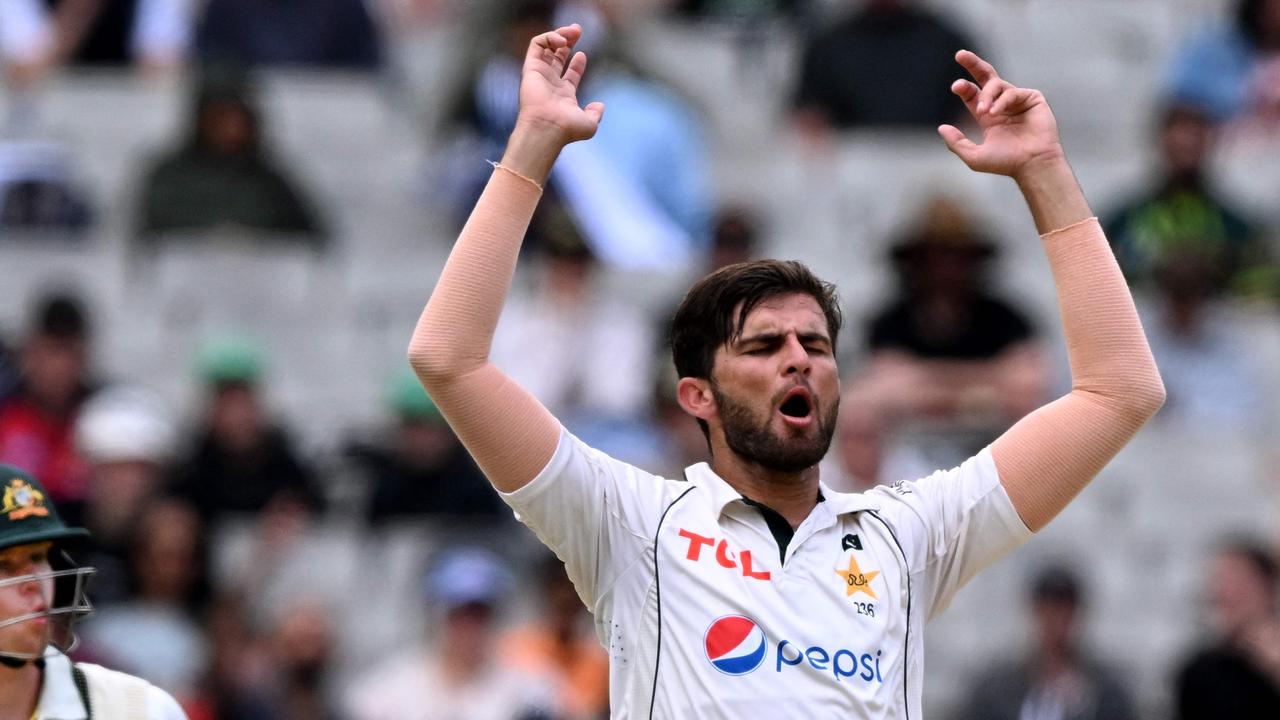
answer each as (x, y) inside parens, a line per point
(722, 493)
(59, 698)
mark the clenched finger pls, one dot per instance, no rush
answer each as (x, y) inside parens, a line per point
(990, 93)
(553, 42)
(968, 92)
(981, 70)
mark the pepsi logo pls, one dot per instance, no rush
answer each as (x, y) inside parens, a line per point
(735, 645)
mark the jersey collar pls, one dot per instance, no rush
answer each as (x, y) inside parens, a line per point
(722, 493)
(59, 698)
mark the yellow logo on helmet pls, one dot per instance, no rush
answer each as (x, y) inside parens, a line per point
(22, 501)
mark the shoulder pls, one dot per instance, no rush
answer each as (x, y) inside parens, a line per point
(162, 706)
(995, 308)
(120, 690)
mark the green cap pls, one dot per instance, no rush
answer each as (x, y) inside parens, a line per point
(230, 359)
(406, 397)
(26, 514)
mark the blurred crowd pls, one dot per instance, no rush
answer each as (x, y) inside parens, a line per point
(945, 364)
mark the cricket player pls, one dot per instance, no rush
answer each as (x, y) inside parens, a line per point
(747, 587)
(42, 595)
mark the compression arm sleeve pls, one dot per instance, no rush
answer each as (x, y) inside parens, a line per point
(1048, 457)
(509, 433)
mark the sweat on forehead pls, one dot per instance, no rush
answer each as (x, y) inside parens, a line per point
(715, 309)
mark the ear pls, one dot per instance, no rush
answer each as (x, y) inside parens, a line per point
(694, 395)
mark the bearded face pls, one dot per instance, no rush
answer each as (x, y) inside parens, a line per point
(756, 437)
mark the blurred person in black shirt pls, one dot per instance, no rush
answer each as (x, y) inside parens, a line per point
(1237, 675)
(945, 347)
(1181, 214)
(420, 467)
(319, 33)
(241, 462)
(223, 173)
(1057, 680)
(888, 64)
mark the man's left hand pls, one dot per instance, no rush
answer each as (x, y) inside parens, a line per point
(1018, 128)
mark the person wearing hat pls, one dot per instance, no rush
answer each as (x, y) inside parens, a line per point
(42, 595)
(945, 347)
(1057, 679)
(463, 672)
(418, 467)
(223, 173)
(241, 462)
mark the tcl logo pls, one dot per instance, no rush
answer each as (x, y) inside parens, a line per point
(724, 556)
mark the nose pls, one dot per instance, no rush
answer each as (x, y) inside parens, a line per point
(796, 357)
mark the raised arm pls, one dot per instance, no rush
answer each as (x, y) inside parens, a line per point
(1048, 457)
(510, 434)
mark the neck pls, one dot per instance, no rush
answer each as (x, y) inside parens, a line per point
(19, 691)
(1179, 180)
(461, 668)
(792, 494)
(1055, 660)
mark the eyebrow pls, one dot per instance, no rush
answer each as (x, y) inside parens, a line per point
(773, 336)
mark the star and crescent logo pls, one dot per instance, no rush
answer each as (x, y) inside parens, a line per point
(21, 500)
(856, 581)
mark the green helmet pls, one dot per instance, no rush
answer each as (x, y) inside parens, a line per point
(27, 517)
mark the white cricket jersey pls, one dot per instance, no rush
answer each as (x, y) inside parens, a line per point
(703, 618)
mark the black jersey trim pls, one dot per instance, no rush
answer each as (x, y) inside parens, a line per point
(906, 642)
(657, 584)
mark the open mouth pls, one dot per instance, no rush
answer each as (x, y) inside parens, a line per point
(797, 404)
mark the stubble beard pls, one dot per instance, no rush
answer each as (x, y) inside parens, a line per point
(758, 443)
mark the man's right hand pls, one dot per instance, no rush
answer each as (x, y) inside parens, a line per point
(550, 117)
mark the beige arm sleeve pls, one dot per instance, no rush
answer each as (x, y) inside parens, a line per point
(509, 433)
(1048, 457)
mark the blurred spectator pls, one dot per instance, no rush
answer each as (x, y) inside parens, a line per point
(1219, 67)
(741, 10)
(37, 421)
(239, 668)
(324, 33)
(421, 468)
(302, 648)
(154, 34)
(1202, 350)
(1237, 674)
(735, 239)
(889, 63)
(1180, 213)
(155, 635)
(649, 165)
(459, 675)
(946, 349)
(128, 439)
(541, 336)
(562, 639)
(241, 462)
(39, 190)
(222, 174)
(683, 443)
(639, 193)
(9, 374)
(1057, 680)
(26, 42)
(866, 448)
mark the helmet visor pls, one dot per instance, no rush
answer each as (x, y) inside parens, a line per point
(67, 602)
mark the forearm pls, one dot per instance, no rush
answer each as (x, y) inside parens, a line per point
(455, 330)
(1049, 456)
(510, 434)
